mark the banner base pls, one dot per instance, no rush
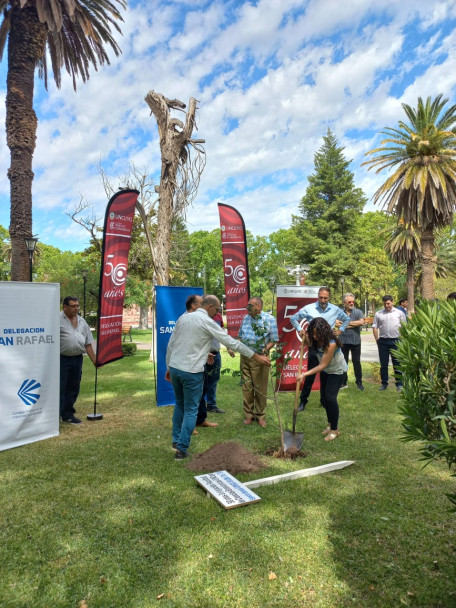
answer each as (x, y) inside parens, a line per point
(94, 417)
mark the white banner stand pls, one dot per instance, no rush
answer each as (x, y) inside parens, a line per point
(29, 362)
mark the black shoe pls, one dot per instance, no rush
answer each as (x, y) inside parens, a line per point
(180, 455)
(72, 420)
(175, 446)
(215, 410)
(301, 407)
(359, 386)
(383, 387)
(399, 388)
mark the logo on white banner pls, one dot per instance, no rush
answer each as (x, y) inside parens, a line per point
(28, 393)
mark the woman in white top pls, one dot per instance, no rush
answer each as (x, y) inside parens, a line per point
(332, 366)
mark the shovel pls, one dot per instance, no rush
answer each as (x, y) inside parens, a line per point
(291, 439)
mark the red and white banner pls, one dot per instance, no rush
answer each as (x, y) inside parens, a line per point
(113, 275)
(290, 299)
(235, 267)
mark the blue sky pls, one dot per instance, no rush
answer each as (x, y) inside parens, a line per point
(270, 76)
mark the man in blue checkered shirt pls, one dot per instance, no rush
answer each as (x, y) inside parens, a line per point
(259, 332)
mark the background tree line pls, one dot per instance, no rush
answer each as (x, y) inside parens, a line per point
(348, 250)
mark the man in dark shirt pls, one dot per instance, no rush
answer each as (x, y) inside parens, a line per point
(403, 306)
(351, 340)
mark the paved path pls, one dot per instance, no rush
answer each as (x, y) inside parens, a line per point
(369, 351)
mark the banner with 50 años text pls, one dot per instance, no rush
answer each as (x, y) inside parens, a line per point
(235, 267)
(113, 275)
(29, 362)
(290, 299)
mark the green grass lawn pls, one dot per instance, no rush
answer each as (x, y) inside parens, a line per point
(102, 516)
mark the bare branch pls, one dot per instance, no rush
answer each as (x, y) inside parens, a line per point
(91, 224)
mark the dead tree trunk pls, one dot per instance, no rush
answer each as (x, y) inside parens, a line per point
(175, 138)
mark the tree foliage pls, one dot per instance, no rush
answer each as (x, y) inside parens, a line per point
(427, 356)
(422, 190)
(65, 268)
(328, 215)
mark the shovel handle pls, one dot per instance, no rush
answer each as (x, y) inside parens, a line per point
(298, 386)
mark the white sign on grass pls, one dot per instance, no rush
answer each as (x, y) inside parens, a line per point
(29, 362)
(226, 489)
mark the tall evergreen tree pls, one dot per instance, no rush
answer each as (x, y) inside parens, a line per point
(328, 214)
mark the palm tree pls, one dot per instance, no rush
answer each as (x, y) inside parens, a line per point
(445, 264)
(422, 190)
(403, 246)
(74, 33)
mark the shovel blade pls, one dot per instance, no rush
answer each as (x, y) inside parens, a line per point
(292, 440)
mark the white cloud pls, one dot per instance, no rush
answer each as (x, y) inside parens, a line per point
(270, 78)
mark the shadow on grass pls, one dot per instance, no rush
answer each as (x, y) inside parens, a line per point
(104, 514)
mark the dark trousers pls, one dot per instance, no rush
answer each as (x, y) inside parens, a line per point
(312, 361)
(202, 408)
(329, 387)
(386, 348)
(355, 350)
(211, 378)
(70, 382)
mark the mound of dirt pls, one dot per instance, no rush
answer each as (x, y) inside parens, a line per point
(291, 454)
(229, 456)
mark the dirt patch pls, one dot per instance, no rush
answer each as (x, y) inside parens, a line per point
(229, 456)
(291, 453)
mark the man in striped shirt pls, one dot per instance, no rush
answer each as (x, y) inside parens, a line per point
(259, 332)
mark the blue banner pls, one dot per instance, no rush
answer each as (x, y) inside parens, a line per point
(170, 306)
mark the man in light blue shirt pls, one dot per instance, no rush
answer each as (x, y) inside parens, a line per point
(331, 313)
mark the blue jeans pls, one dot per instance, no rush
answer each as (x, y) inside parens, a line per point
(387, 347)
(188, 389)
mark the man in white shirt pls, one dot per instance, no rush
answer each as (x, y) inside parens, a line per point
(386, 327)
(75, 340)
(187, 353)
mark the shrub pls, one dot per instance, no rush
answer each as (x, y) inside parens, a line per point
(427, 355)
(128, 348)
(91, 320)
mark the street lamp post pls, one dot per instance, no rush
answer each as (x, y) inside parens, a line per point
(342, 281)
(361, 294)
(30, 243)
(84, 278)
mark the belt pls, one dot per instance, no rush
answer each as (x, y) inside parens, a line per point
(215, 352)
